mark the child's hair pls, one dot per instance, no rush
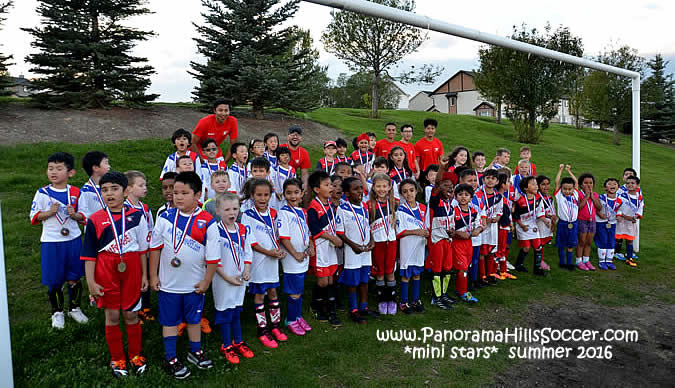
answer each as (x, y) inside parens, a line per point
(390, 160)
(567, 181)
(525, 182)
(315, 179)
(463, 172)
(62, 157)
(183, 158)
(269, 136)
(523, 162)
(335, 178)
(424, 180)
(380, 161)
(234, 146)
(586, 175)
(260, 162)
(610, 180)
(456, 152)
(114, 177)
(282, 150)
(430, 122)
(372, 203)
(477, 154)
(464, 187)
(223, 197)
(170, 175)
(91, 159)
(253, 142)
(491, 172)
(222, 101)
(218, 173)
(340, 142)
(525, 148)
(502, 179)
(132, 175)
(372, 134)
(181, 133)
(344, 164)
(347, 183)
(207, 141)
(252, 184)
(633, 177)
(631, 170)
(191, 179)
(408, 181)
(542, 178)
(506, 171)
(502, 151)
(293, 182)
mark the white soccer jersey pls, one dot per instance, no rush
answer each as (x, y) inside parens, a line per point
(262, 226)
(170, 163)
(238, 176)
(279, 175)
(383, 226)
(235, 252)
(466, 221)
(632, 206)
(321, 219)
(292, 224)
(549, 211)
(90, 200)
(411, 248)
(427, 193)
(352, 222)
(187, 242)
(527, 211)
(51, 227)
(147, 214)
(568, 207)
(610, 206)
(480, 206)
(494, 208)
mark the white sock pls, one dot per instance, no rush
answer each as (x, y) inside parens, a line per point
(578, 260)
(586, 259)
(602, 253)
(610, 254)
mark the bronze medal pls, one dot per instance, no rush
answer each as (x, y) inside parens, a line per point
(570, 226)
(534, 230)
(175, 262)
(65, 231)
(121, 267)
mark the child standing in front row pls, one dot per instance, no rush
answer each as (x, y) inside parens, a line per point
(466, 225)
(494, 207)
(526, 211)
(505, 224)
(382, 213)
(567, 202)
(606, 224)
(439, 222)
(547, 224)
(588, 206)
(630, 212)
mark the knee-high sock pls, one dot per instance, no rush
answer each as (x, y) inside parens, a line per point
(379, 289)
(415, 295)
(260, 316)
(404, 292)
(446, 283)
(490, 264)
(74, 294)
(292, 312)
(236, 327)
(461, 282)
(437, 285)
(225, 333)
(502, 264)
(609, 255)
(351, 296)
(135, 337)
(561, 255)
(113, 336)
(521, 257)
(537, 258)
(391, 285)
(169, 346)
(56, 298)
(602, 254)
(570, 257)
(330, 290)
(481, 268)
(275, 312)
(617, 245)
(629, 251)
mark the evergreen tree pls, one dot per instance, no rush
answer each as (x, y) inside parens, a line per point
(84, 54)
(658, 102)
(5, 79)
(250, 59)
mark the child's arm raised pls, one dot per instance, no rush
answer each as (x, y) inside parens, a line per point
(574, 178)
(558, 176)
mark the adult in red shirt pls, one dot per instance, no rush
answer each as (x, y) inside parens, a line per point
(383, 146)
(299, 156)
(429, 149)
(409, 148)
(216, 126)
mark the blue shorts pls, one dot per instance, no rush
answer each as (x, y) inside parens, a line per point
(604, 238)
(261, 288)
(228, 315)
(509, 238)
(412, 270)
(294, 283)
(354, 277)
(60, 261)
(177, 308)
(566, 237)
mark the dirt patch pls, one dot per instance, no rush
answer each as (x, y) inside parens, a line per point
(22, 124)
(647, 362)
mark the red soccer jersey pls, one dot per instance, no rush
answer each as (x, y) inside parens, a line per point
(429, 152)
(383, 147)
(208, 127)
(299, 158)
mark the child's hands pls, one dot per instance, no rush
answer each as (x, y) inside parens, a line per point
(53, 209)
(337, 241)
(154, 282)
(568, 167)
(201, 287)
(235, 280)
(476, 232)
(95, 289)
(525, 228)
(278, 253)
(247, 272)
(370, 245)
(70, 210)
(144, 283)
(423, 232)
(299, 256)
(562, 166)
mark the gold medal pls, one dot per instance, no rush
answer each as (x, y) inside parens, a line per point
(608, 226)
(121, 267)
(65, 231)
(570, 226)
(175, 262)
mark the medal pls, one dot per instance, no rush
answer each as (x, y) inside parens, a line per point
(62, 221)
(608, 226)
(534, 230)
(534, 211)
(121, 267)
(175, 262)
(570, 226)
(65, 231)
(119, 237)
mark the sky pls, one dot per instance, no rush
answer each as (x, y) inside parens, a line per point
(602, 24)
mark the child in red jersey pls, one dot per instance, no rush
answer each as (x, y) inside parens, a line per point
(526, 211)
(466, 224)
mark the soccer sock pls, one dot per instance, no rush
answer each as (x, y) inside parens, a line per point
(113, 336)
(537, 258)
(542, 253)
(502, 265)
(415, 295)
(330, 291)
(293, 311)
(461, 282)
(74, 295)
(195, 346)
(617, 247)
(446, 283)
(561, 255)
(135, 337)
(629, 251)
(275, 312)
(260, 316)
(521, 258)
(610, 255)
(391, 294)
(436, 285)
(586, 259)
(225, 333)
(379, 287)
(602, 253)
(404, 292)
(351, 295)
(570, 257)
(236, 326)
(317, 298)
(481, 267)
(145, 299)
(55, 298)
(489, 264)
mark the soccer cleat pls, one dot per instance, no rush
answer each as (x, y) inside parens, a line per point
(521, 268)
(368, 313)
(356, 317)
(295, 328)
(181, 328)
(467, 297)
(545, 266)
(447, 299)
(603, 266)
(333, 319)
(611, 266)
(279, 335)
(58, 320)
(590, 266)
(230, 354)
(305, 326)
(582, 266)
(635, 257)
(119, 368)
(320, 314)
(78, 316)
(146, 314)
(176, 369)
(507, 275)
(492, 280)
(500, 276)
(199, 359)
(382, 308)
(243, 349)
(138, 364)
(267, 340)
(391, 307)
(418, 306)
(204, 326)
(631, 263)
(620, 256)
(510, 266)
(440, 304)
(405, 308)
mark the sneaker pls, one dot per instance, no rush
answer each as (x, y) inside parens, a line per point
(267, 340)
(320, 315)
(439, 303)
(176, 369)
(635, 256)
(243, 349)
(590, 266)
(603, 266)
(138, 364)
(467, 297)
(405, 308)
(382, 308)
(507, 275)
(620, 256)
(204, 325)
(295, 328)
(78, 316)
(500, 276)
(510, 266)
(58, 320)
(447, 299)
(521, 268)
(279, 335)
(391, 307)
(631, 263)
(368, 313)
(334, 320)
(199, 358)
(418, 306)
(146, 314)
(492, 280)
(230, 354)
(119, 368)
(545, 266)
(356, 317)
(305, 326)
(610, 266)
(582, 266)
(181, 328)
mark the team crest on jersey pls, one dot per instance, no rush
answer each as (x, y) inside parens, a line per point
(73, 199)
(201, 224)
(279, 224)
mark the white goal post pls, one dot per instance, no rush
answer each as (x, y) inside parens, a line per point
(5, 344)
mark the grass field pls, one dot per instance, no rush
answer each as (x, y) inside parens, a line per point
(349, 355)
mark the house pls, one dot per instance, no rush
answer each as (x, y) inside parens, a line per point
(21, 87)
(457, 95)
(402, 98)
(421, 101)
(485, 109)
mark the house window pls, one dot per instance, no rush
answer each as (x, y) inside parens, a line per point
(452, 101)
(484, 113)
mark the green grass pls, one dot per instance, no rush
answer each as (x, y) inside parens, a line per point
(350, 355)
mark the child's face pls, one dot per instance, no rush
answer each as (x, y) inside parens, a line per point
(461, 158)
(382, 188)
(479, 161)
(525, 154)
(284, 159)
(58, 173)
(113, 195)
(341, 150)
(182, 143)
(138, 188)
(293, 195)
(355, 193)
(272, 143)
(490, 181)
(184, 197)
(211, 151)
(330, 151)
(532, 186)
(258, 149)
(390, 132)
(409, 193)
(445, 189)
(611, 187)
(431, 177)
(185, 164)
(343, 172)
(430, 131)
(524, 169)
(363, 145)
(380, 168)
(504, 159)
(398, 157)
(336, 193)
(471, 180)
(587, 184)
(545, 186)
(324, 190)
(261, 197)
(167, 189)
(463, 197)
(102, 168)
(626, 174)
(220, 184)
(241, 154)
(228, 211)
(567, 189)
(631, 185)
(259, 172)
(372, 142)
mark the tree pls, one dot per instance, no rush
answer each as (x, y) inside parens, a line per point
(576, 96)
(657, 105)
(530, 85)
(252, 59)
(375, 46)
(489, 79)
(5, 79)
(355, 92)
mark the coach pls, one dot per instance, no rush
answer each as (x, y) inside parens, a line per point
(299, 156)
(216, 126)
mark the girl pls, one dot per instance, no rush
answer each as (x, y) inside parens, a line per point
(382, 214)
(362, 155)
(630, 213)
(439, 222)
(229, 284)
(280, 174)
(606, 224)
(526, 210)
(271, 141)
(504, 232)
(546, 225)
(467, 224)
(398, 168)
(412, 236)
(588, 206)
(428, 180)
(262, 222)
(459, 157)
(257, 148)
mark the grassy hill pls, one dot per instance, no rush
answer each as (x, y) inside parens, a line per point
(353, 355)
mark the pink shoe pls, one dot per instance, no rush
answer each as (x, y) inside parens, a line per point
(267, 341)
(545, 266)
(305, 326)
(295, 328)
(582, 266)
(590, 266)
(279, 335)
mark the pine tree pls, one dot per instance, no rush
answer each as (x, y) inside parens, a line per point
(250, 59)
(658, 102)
(84, 54)
(5, 79)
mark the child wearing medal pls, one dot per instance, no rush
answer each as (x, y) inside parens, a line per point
(466, 224)
(606, 224)
(271, 141)
(114, 249)
(526, 211)
(547, 224)
(439, 222)
(261, 223)
(209, 166)
(184, 255)
(229, 284)
(328, 162)
(281, 172)
(505, 224)
(567, 205)
(167, 193)
(412, 234)
(494, 207)
(56, 207)
(398, 168)
(588, 207)
(362, 155)
(630, 212)
(95, 164)
(238, 172)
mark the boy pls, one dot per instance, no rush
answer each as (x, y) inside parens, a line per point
(167, 192)
(185, 163)
(526, 154)
(56, 207)
(439, 222)
(210, 165)
(628, 215)
(327, 163)
(383, 146)
(628, 171)
(524, 168)
(494, 208)
(114, 252)
(478, 159)
(361, 155)
(95, 164)
(466, 225)
(372, 141)
(220, 183)
(282, 172)
(181, 273)
(137, 190)
(567, 205)
(409, 148)
(505, 224)
(341, 155)
(428, 149)
(181, 141)
(526, 211)
(468, 176)
(501, 159)
(606, 224)
(238, 172)
(321, 221)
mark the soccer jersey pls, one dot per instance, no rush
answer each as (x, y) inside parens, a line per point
(162, 209)
(209, 127)
(52, 226)
(171, 163)
(632, 205)
(411, 247)
(100, 237)
(410, 153)
(480, 206)
(505, 219)
(383, 226)
(549, 211)
(235, 252)
(397, 175)
(567, 206)
(532, 171)
(272, 158)
(321, 220)
(610, 207)
(494, 208)
(262, 226)
(439, 219)
(187, 242)
(365, 158)
(90, 200)
(465, 221)
(428, 151)
(238, 176)
(207, 169)
(326, 165)
(293, 227)
(427, 193)
(383, 147)
(527, 211)
(147, 214)
(352, 222)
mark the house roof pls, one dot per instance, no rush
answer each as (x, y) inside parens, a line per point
(420, 92)
(484, 103)
(401, 91)
(469, 73)
(21, 81)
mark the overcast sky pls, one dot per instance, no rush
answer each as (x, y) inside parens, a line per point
(645, 25)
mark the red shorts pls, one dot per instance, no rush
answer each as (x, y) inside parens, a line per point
(545, 240)
(502, 243)
(462, 251)
(121, 290)
(325, 271)
(534, 243)
(384, 259)
(486, 249)
(440, 256)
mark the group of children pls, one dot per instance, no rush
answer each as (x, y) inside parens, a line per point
(359, 220)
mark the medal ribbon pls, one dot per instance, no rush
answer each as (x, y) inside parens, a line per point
(362, 231)
(119, 238)
(385, 220)
(268, 227)
(331, 224)
(97, 191)
(61, 220)
(141, 208)
(418, 216)
(400, 179)
(305, 237)
(332, 166)
(469, 226)
(446, 205)
(235, 252)
(570, 208)
(188, 224)
(534, 209)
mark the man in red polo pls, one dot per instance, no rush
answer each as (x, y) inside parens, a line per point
(383, 146)
(299, 156)
(429, 149)
(217, 126)
(409, 148)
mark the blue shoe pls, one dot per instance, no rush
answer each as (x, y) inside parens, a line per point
(468, 298)
(602, 265)
(620, 256)
(635, 256)
(610, 266)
